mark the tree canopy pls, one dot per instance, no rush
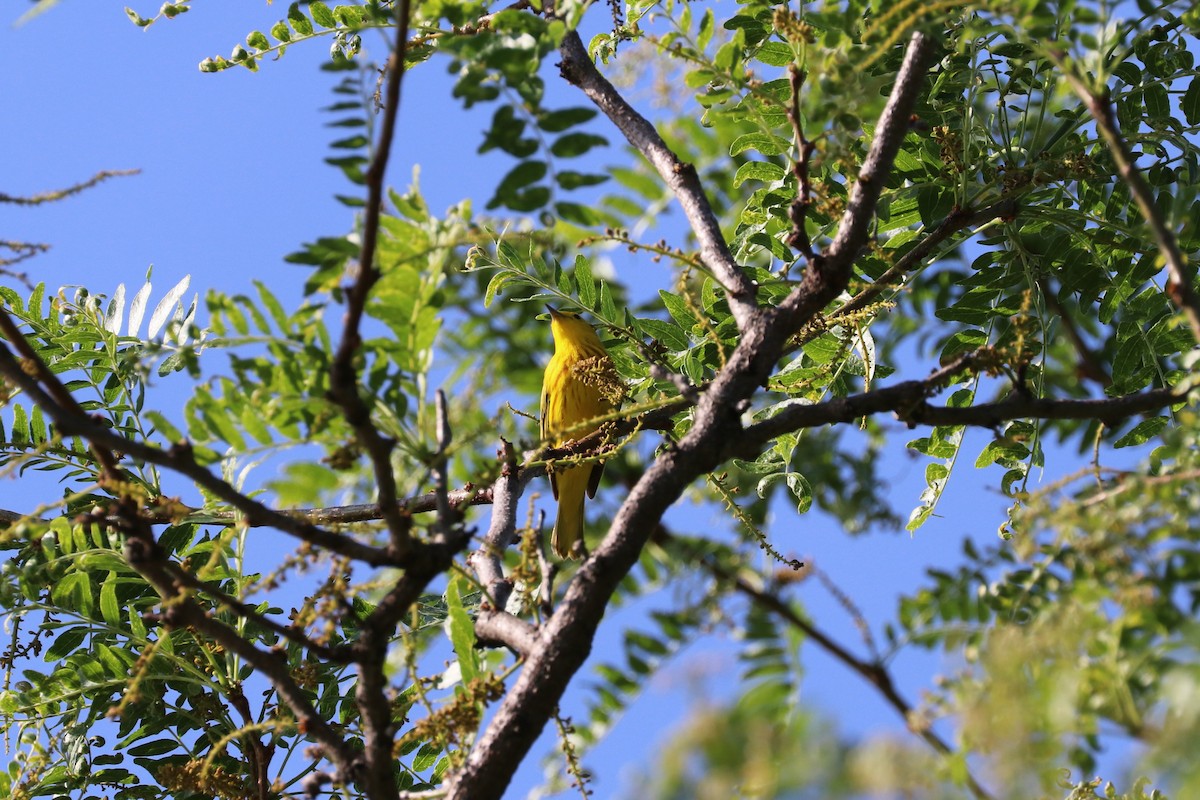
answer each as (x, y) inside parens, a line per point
(325, 574)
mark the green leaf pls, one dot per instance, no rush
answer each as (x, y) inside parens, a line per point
(1190, 104)
(666, 333)
(166, 307)
(426, 757)
(1158, 104)
(520, 176)
(677, 307)
(461, 629)
(74, 592)
(322, 15)
(801, 490)
(494, 286)
(776, 54)
(763, 171)
(164, 427)
(157, 747)
(558, 121)
(1143, 432)
(576, 213)
(137, 309)
(110, 609)
(766, 143)
(299, 22)
(66, 643)
(570, 179)
(585, 282)
(576, 144)
(608, 307)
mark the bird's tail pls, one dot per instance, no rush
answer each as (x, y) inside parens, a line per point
(568, 526)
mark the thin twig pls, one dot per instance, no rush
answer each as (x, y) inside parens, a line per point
(258, 753)
(59, 194)
(873, 672)
(955, 221)
(247, 612)
(343, 377)
(322, 515)
(1090, 365)
(829, 274)
(1181, 274)
(441, 473)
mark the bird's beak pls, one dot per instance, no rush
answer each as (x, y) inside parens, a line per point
(553, 311)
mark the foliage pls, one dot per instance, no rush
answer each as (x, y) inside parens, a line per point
(183, 624)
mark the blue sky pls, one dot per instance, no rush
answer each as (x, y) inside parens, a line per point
(232, 180)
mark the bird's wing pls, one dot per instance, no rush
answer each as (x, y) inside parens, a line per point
(545, 432)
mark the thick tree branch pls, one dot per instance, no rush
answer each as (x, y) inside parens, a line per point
(578, 69)
(908, 401)
(566, 639)
(486, 561)
(343, 377)
(494, 624)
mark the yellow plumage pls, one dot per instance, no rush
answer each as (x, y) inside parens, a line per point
(576, 390)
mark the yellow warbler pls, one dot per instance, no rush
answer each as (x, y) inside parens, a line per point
(579, 386)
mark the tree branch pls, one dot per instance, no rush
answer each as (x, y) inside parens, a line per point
(494, 623)
(1090, 365)
(71, 419)
(343, 377)
(1180, 285)
(871, 671)
(181, 611)
(185, 579)
(486, 561)
(908, 401)
(566, 639)
(955, 221)
(798, 211)
(577, 68)
(829, 274)
(59, 194)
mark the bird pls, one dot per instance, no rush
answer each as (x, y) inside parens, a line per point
(579, 387)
